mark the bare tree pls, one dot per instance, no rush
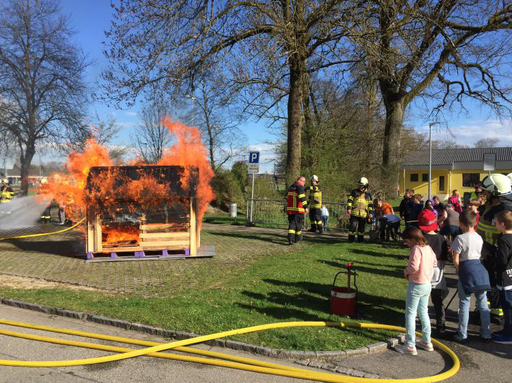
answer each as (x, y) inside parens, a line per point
(487, 143)
(210, 112)
(171, 43)
(102, 130)
(153, 136)
(41, 85)
(445, 51)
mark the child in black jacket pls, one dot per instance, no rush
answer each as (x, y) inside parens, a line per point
(503, 262)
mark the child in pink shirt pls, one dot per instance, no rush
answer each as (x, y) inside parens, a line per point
(418, 272)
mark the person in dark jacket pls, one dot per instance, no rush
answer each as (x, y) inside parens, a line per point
(497, 190)
(405, 206)
(296, 208)
(503, 266)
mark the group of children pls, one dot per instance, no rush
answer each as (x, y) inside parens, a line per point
(425, 272)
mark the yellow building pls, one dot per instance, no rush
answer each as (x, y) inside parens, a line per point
(452, 169)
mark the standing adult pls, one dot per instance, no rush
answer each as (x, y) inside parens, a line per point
(44, 192)
(296, 207)
(406, 206)
(315, 205)
(360, 209)
(7, 193)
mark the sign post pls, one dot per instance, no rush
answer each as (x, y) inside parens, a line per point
(253, 167)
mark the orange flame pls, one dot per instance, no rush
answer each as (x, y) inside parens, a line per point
(69, 190)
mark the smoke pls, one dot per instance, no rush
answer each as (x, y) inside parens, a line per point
(20, 212)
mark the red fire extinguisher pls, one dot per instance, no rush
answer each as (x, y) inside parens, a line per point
(344, 299)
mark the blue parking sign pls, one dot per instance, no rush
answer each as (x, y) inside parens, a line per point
(254, 157)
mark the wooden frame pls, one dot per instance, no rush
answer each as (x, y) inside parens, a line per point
(153, 236)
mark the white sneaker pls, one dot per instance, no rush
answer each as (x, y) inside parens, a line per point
(425, 346)
(404, 349)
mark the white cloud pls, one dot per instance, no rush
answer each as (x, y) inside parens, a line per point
(130, 114)
(468, 133)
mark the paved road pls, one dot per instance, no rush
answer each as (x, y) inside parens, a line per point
(142, 369)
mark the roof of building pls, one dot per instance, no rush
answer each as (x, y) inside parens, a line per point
(449, 156)
(34, 171)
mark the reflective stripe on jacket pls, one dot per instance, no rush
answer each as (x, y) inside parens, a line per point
(296, 200)
(315, 197)
(360, 203)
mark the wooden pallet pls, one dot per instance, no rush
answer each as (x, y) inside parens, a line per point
(162, 255)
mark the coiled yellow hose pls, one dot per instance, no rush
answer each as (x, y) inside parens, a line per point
(229, 360)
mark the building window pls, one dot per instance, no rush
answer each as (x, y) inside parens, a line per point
(414, 177)
(441, 183)
(424, 177)
(470, 179)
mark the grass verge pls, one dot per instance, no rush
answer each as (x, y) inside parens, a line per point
(289, 287)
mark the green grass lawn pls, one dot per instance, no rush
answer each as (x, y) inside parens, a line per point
(279, 287)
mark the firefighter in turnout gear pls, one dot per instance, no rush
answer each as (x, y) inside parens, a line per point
(315, 205)
(296, 208)
(6, 192)
(44, 192)
(360, 209)
(497, 188)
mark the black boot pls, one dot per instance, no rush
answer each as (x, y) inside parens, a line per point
(313, 228)
(360, 238)
(351, 238)
(291, 239)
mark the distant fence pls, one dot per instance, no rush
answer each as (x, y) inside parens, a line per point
(271, 212)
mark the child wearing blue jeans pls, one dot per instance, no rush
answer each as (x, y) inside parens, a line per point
(473, 277)
(503, 261)
(418, 272)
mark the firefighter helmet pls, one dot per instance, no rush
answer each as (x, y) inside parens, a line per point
(5, 181)
(314, 178)
(509, 175)
(44, 181)
(363, 181)
(497, 184)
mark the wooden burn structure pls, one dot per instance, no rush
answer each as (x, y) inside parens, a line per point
(165, 227)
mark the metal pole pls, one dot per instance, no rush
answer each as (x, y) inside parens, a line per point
(430, 160)
(252, 198)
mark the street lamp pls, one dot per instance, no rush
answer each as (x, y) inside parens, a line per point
(430, 158)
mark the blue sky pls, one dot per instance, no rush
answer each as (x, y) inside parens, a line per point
(90, 18)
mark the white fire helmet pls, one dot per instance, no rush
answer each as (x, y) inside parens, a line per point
(497, 184)
(509, 175)
(44, 181)
(5, 181)
(363, 181)
(314, 178)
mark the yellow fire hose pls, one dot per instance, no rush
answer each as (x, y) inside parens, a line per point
(43, 234)
(229, 360)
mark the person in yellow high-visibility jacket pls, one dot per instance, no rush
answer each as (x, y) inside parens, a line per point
(360, 209)
(315, 205)
(6, 192)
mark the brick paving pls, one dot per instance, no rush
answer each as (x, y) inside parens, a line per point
(61, 258)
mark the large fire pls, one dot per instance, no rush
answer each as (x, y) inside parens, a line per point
(70, 191)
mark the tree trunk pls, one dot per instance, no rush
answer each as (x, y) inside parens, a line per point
(395, 107)
(295, 102)
(26, 161)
